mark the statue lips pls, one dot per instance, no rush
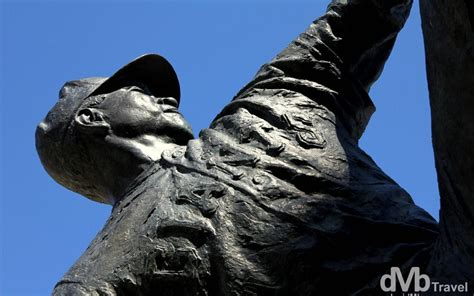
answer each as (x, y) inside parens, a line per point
(170, 105)
(171, 109)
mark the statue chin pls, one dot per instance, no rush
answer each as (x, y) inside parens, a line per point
(178, 130)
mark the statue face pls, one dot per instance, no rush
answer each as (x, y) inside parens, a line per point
(131, 111)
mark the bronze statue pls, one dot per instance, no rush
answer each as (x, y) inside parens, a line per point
(274, 198)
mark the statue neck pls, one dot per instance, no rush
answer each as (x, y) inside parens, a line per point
(126, 159)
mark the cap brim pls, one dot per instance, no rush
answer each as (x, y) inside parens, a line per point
(152, 70)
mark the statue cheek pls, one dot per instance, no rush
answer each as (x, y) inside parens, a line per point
(142, 116)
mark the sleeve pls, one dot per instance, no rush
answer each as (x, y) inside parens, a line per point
(303, 113)
(333, 63)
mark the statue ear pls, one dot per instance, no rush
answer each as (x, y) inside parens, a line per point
(92, 121)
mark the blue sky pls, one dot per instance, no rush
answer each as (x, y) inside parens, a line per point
(216, 48)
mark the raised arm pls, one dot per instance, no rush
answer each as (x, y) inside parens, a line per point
(297, 124)
(336, 60)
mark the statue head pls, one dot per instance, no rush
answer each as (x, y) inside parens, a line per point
(103, 132)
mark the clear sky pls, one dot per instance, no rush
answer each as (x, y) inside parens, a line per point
(216, 47)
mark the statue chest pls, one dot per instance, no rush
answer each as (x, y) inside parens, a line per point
(243, 217)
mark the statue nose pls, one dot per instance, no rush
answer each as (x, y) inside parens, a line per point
(170, 101)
